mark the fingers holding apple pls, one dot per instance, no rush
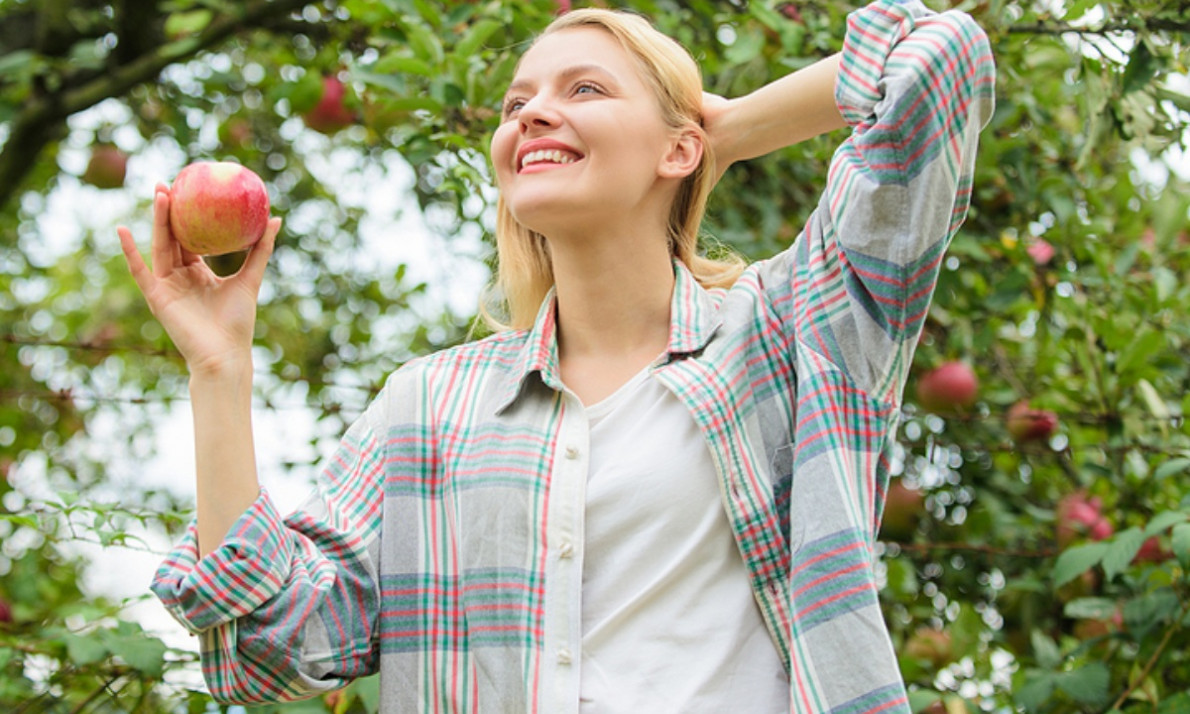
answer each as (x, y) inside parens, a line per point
(210, 210)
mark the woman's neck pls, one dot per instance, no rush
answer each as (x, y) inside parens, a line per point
(613, 295)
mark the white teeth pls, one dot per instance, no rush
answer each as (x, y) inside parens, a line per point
(547, 155)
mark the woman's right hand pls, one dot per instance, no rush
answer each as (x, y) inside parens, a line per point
(210, 319)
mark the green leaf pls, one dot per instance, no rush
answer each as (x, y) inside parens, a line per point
(1045, 650)
(1162, 521)
(85, 649)
(180, 24)
(1142, 67)
(401, 63)
(1122, 550)
(1181, 544)
(137, 649)
(1171, 467)
(1143, 346)
(1149, 610)
(1148, 393)
(1177, 704)
(306, 92)
(747, 46)
(1087, 684)
(1078, 8)
(1036, 690)
(1090, 608)
(476, 35)
(1075, 561)
(424, 43)
(14, 62)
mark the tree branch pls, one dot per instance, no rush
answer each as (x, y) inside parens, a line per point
(44, 116)
(1153, 24)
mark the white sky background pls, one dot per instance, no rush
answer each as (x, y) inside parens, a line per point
(392, 231)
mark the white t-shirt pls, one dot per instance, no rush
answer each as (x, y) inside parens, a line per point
(669, 623)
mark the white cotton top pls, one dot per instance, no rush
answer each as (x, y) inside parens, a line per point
(669, 623)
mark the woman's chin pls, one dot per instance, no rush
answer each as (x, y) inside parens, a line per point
(547, 215)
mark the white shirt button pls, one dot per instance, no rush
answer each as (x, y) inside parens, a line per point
(566, 549)
(572, 452)
(564, 656)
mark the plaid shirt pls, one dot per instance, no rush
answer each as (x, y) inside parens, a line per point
(430, 550)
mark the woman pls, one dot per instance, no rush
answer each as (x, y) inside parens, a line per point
(553, 519)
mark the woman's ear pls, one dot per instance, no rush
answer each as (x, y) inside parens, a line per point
(684, 155)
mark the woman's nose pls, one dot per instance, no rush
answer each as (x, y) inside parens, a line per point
(538, 112)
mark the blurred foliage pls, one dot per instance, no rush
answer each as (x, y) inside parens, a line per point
(988, 609)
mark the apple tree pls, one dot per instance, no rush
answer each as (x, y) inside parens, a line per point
(1037, 534)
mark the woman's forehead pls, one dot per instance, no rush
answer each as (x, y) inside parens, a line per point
(566, 51)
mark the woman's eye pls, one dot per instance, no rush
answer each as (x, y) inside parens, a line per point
(586, 88)
(512, 105)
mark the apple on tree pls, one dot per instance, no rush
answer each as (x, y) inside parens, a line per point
(903, 508)
(1078, 514)
(950, 386)
(330, 114)
(218, 207)
(107, 167)
(1152, 551)
(1027, 424)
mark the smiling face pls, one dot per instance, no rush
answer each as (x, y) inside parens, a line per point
(582, 136)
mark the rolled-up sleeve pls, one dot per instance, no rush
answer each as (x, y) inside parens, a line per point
(287, 608)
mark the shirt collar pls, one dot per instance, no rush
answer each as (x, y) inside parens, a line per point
(693, 320)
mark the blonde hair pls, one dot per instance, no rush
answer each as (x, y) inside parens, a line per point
(524, 271)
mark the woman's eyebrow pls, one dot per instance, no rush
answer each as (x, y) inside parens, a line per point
(568, 73)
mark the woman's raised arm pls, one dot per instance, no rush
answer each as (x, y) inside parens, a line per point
(784, 112)
(211, 321)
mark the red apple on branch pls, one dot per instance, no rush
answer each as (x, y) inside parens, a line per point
(1028, 424)
(107, 167)
(1041, 252)
(1078, 515)
(1151, 551)
(903, 508)
(218, 207)
(330, 114)
(952, 385)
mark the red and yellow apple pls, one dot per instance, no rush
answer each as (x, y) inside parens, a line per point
(218, 207)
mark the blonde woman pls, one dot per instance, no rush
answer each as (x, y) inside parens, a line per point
(659, 488)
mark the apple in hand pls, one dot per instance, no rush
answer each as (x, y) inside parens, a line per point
(950, 386)
(218, 207)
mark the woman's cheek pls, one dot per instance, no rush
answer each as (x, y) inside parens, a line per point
(501, 149)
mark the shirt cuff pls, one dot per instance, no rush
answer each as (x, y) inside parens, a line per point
(872, 33)
(248, 568)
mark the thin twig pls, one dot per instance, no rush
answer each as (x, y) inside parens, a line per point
(1144, 673)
